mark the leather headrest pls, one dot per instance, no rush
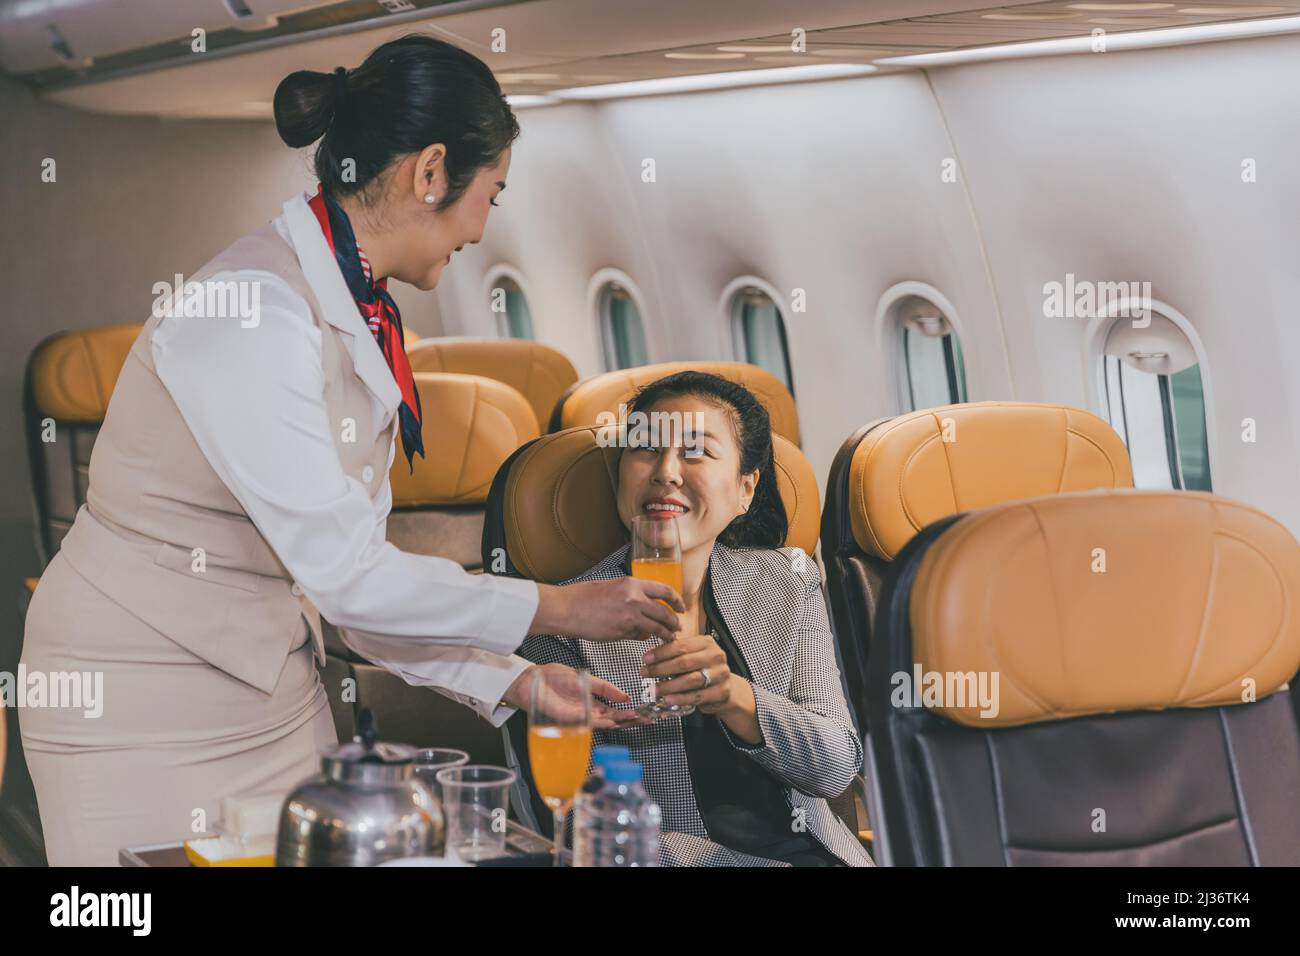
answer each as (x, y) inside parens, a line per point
(73, 373)
(538, 372)
(471, 426)
(560, 510)
(1106, 601)
(918, 468)
(604, 393)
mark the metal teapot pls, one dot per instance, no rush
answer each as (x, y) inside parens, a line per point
(365, 807)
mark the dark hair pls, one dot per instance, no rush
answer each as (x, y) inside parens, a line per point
(408, 94)
(765, 524)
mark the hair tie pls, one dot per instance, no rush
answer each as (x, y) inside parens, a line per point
(340, 85)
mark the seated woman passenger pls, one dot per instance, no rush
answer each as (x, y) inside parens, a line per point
(743, 780)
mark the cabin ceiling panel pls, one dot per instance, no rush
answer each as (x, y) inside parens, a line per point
(549, 44)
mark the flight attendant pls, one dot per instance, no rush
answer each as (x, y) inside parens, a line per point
(238, 488)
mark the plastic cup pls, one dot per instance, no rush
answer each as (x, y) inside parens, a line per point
(475, 800)
(432, 759)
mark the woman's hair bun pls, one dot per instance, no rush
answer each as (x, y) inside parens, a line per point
(305, 103)
(409, 93)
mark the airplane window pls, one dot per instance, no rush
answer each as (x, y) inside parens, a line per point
(1155, 399)
(932, 356)
(625, 345)
(515, 322)
(760, 333)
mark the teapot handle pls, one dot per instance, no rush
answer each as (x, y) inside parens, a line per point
(367, 728)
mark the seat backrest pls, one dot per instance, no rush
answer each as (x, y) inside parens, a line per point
(894, 476)
(1090, 678)
(471, 425)
(69, 380)
(552, 513)
(536, 371)
(587, 401)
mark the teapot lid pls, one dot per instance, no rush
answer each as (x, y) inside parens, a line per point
(367, 757)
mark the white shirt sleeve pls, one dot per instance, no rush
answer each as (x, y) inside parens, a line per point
(476, 678)
(253, 396)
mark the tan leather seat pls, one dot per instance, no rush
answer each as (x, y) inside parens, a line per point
(69, 380)
(587, 401)
(471, 425)
(538, 372)
(895, 476)
(1090, 678)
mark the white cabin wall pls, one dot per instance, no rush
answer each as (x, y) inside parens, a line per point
(832, 187)
(1117, 166)
(561, 219)
(1127, 166)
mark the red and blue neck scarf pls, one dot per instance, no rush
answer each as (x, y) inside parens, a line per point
(379, 311)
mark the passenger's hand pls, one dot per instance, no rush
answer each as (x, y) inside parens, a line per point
(566, 704)
(617, 610)
(683, 662)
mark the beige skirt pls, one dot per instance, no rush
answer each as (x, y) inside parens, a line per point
(175, 735)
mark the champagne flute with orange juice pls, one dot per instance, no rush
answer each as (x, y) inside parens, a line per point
(657, 556)
(559, 744)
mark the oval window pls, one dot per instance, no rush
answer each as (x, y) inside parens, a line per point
(934, 371)
(759, 333)
(1155, 399)
(623, 333)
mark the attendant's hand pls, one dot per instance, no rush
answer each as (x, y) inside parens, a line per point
(682, 661)
(617, 610)
(567, 704)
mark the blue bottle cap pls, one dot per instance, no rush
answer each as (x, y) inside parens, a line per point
(607, 752)
(622, 771)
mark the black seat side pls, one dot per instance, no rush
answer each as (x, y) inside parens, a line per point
(853, 579)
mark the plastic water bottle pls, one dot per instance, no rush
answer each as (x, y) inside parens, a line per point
(619, 823)
(599, 757)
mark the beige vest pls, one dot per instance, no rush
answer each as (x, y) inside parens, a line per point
(153, 498)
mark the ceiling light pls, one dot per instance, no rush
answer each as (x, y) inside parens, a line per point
(757, 48)
(846, 51)
(715, 81)
(704, 56)
(793, 59)
(523, 102)
(1117, 7)
(1165, 36)
(526, 77)
(1230, 11)
(1028, 16)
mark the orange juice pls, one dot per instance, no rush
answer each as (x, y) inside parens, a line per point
(664, 570)
(559, 757)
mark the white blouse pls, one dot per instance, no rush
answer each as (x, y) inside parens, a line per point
(259, 416)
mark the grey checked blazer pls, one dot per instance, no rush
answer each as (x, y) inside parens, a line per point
(777, 616)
